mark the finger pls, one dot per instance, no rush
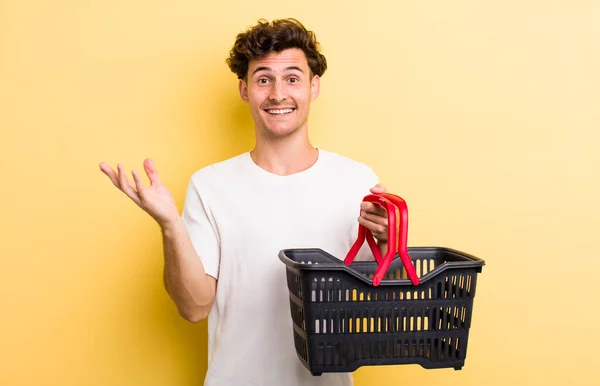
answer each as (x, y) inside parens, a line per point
(126, 186)
(151, 171)
(139, 185)
(110, 173)
(374, 218)
(379, 188)
(379, 231)
(123, 181)
(373, 208)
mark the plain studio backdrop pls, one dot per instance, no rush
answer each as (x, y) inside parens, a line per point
(482, 115)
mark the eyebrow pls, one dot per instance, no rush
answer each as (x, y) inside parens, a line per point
(264, 68)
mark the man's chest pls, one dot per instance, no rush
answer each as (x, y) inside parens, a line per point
(268, 222)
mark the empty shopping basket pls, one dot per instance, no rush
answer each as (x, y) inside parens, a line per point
(413, 306)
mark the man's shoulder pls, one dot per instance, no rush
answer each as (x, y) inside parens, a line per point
(345, 163)
(221, 169)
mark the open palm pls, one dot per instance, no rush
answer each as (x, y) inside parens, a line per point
(155, 199)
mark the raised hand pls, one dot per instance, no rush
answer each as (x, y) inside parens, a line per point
(155, 199)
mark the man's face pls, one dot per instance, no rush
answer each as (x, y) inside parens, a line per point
(279, 89)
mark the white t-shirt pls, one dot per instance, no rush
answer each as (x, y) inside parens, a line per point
(239, 217)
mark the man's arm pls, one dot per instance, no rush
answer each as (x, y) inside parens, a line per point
(186, 282)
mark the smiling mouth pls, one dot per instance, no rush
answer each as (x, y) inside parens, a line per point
(280, 111)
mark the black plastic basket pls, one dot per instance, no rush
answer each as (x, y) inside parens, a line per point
(342, 321)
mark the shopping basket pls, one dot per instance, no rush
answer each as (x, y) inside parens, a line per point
(412, 306)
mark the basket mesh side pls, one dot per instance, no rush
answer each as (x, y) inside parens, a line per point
(348, 323)
(433, 349)
(301, 346)
(297, 312)
(378, 320)
(294, 283)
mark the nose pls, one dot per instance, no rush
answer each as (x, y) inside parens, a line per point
(277, 92)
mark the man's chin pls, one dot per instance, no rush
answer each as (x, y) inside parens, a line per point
(279, 132)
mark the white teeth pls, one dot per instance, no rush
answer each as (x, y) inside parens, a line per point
(282, 111)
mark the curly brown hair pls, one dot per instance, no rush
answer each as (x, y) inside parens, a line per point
(265, 37)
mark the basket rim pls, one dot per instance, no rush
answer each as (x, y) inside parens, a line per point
(469, 261)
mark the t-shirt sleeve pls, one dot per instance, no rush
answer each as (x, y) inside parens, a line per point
(202, 229)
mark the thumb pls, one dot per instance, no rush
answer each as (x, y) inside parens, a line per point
(151, 171)
(379, 188)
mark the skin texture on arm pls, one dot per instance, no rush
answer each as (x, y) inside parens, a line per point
(190, 288)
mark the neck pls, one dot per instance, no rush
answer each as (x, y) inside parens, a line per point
(284, 156)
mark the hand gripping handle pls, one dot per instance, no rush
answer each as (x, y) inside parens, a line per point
(366, 233)
(397, 238)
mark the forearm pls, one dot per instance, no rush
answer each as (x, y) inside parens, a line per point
(184, 276)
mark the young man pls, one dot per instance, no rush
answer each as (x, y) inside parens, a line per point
(221, 254)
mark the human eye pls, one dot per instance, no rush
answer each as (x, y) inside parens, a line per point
(293, 79)
(263, 80)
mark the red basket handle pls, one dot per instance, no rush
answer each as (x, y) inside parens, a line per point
(397, 238)
(403, 237)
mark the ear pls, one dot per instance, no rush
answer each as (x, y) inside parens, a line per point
(243, 87)
(315, 85)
